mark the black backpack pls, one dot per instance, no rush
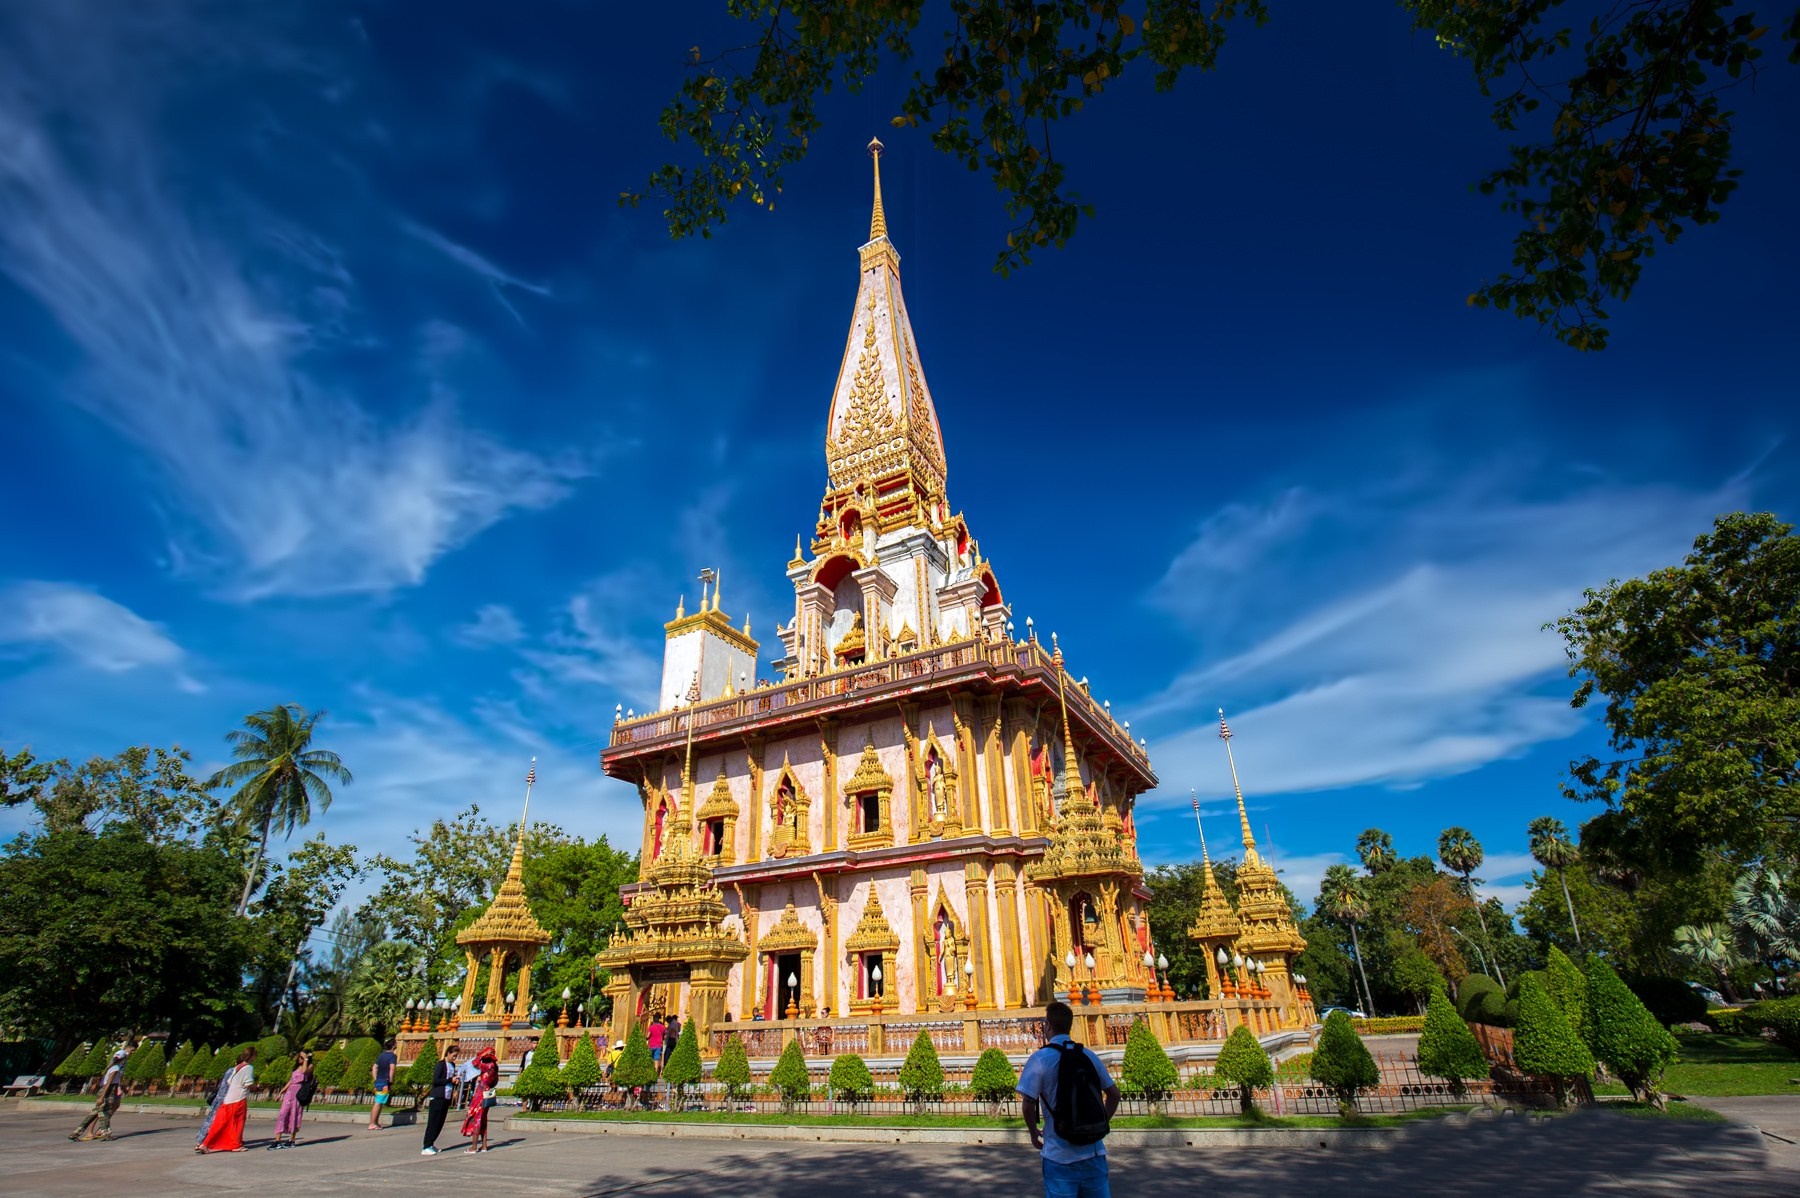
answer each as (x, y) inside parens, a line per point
(1079, 1115)
(309, 1086)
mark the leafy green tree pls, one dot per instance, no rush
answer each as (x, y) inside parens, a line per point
(635, 1068)
(1544, 1044)
(1624, 1035)
(683, 1067)
(1447, 1048)
(541, 1080)
(790, 1077)
(23, 778)
(74, 1066)
(1567, 987)
(1341, 1062)
(994, 1080)
(850, 1079)
(1462, 855)
(359, 1064)
(1765, 916)
(921, 1074)
(198, 1067)
(733, 1069)
(1552, 849)
(177, 1066)
(1326, 964)
(278, 776)
(416, 1079)
(147, 1064)
(98, 1058)
(583, 1070)
(147, 788)
(1341, 898)
(1411, 973)
(1147, 1069)
(1243, 1063)
(1699, 665)
(1712, 948)
(328, 1069)
(379, 984)
(139, 935)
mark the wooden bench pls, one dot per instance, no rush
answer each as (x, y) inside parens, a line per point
(25, 1086)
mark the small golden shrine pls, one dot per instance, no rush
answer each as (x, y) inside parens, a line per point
(506, 932)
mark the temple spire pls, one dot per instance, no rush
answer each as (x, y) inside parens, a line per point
(1243, 815)
(877, 218)
(1071, 769)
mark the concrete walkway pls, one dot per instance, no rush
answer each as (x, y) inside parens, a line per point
(1498, 1156)
(1776, 1116)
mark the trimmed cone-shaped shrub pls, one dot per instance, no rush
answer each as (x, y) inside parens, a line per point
(1148, 1069)
(683, 1067)
(98, 1058)
(73, 1066)
(542, 1079)
(416, 1077)
(582, 1069)
(635, 1068)
(268, 1049)
(1544, 1044)
(328, 1070)
(733, 1069)
(147, 1064)
(1243, 1063)
(922, 1075)
(994, 1080)
(198, 1066)
(850, 1079)
(1624, 1035)
(1341, 1062)
(1447, 1048)
(176, 1069)
(274, 1074)
(790, 1076)
(1567, 987)
(359, 1064)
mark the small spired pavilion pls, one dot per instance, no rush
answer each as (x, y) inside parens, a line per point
(506, 933)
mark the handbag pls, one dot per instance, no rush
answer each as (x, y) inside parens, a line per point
(487, 1102)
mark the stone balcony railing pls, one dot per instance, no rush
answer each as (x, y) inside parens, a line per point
(1025, 661)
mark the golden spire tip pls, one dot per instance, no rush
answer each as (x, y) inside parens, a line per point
(878, 218)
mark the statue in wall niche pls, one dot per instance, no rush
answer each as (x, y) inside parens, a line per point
(934, 786)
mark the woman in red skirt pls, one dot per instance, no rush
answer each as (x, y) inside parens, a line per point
(487, 1076)
(227, 1131)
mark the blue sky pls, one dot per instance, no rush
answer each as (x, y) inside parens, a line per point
(334, 374)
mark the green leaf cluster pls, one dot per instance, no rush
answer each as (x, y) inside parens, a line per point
(1147, 1069)
(790, 1077)
(1479, 999)
(994, 1079)
(733, 1069)
(683, 1066)
(1780, 1017)
(98, 1058)
(359, 1064)
(74, 1066)
(417, 1077)
(178, 1064)
(850, 1079)
(582, 1069)
(1567, 987)
(1623, 1034)
(635, 1067)
(1341, 1061)
(1243, 1063)
(1447, 1048)
(1544, 1044)
(542, 1079)
(921, 1074)
(328, 1069)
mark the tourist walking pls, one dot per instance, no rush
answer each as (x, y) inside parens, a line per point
(1071, 1084)
(487, 1077)
(383, 1075)
(293, 1105)
(98, 1124)
(212, 1111)
(655, 1035)
(227, 1131)
(443, 1087)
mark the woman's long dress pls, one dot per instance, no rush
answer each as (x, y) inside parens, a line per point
(227, 1131)
(287, 1121)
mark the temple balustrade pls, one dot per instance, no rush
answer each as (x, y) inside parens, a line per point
(1024, 660)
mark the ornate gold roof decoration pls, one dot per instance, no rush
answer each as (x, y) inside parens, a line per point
(855, 641)
(678, 917)
(508, 919)
(1081, 846)
(868, 424)
(788, 935)
(719, 804)
(872, 934)
(869, 773)
(1262, 909)
(1216, 921)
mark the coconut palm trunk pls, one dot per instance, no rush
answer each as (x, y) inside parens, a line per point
(262, 847)
(1563, 876)
(1493, 957)
(1356, 944)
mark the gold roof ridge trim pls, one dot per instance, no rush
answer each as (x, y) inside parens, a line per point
(508, 918)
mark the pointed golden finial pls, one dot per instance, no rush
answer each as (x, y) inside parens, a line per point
(718, 585)
(1071, 769)
(1243, 815)
(878, 218)
(1204, 859)
(681, 607)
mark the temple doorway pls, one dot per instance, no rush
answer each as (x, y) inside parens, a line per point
(787, 965)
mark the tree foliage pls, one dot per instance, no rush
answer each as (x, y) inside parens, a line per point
(1147, 1068)
(582, 1069)
(733, 1069)
(635, 1067)
(1544, 1044)
(416, 1078)
(542, 1079)
(994, 1079)
(1623, 1035)
(683, 1067)
(850, 1079)
(922, 1075)
(74, 1066)
(1447, 1048)
(1243, 1063)
(147, 1064)
(1341, 1062)
(790, 1077)
(1699, 667)
(1567, 987)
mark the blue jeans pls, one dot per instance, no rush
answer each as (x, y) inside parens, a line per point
(1081, 1179)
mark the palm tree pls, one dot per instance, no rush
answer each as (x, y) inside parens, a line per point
(1552, 849)
(278, 775)
(1341, 895)
(1709, 946)
(1461, 854)
(1376, 850)
(1765, 916)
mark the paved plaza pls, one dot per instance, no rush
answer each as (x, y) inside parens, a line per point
(1502, 1156)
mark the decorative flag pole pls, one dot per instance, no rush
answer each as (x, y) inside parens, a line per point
(1243, 816)
(1198, 826)
(530, 779)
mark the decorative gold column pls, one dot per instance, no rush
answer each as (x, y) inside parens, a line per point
(993, 716)
(754, 812)
(1018, 724)
(979, 898)
(968, 770)
(920, 935)
(472, 968)
(832, 801)
(828, 917)
(1043, 947)
(1006, 898)
(496, 991)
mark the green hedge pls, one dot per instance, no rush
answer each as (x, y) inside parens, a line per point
(994, 1079)
(1341, 1062)
(1779, 1016)
(922, 1075)
(1390, 1025)
(733, 1069)
(1243, 1063)
(850, 1079)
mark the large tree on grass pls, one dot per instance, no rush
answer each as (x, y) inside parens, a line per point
(278, 776)
(1699, 668)
(1462, 855)
(1621, 145)
(1552, 849)
(1341, 898)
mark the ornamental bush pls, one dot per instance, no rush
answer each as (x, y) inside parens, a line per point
(328, 1070)
(542, 1079)
(1624, 1035)
(98, 1058)
(198, 1065)
(1779, 1016)
(1341, 1062)
(635, 1067)
(1479, 999)
(176, 1068)
(1567, 987)
(1147, 1069)
(74, 1065)
(582, 1069)
(274, 1074)
(1390, 1025)
(922, 1076)
(1447, 1048)
(1544, 1044)
(850, 1079)
(994, 1079)
(269, 1048)
(733, 1069)
(416, 1077)
(790, 1077)
(1243, 1063)
(1671, 1000)
(683, 1067)
(359, 1064)
(223, 1060)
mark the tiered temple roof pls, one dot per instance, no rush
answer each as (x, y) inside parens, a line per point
(508, 920)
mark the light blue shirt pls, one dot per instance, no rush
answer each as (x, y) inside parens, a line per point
(1038, 1080)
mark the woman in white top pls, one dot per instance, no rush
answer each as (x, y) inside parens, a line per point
(227, 1131)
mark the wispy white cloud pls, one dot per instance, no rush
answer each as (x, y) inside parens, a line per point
(201, 326)
(88, 628)
(494, 624)
(497, 279)
(596, 643)
(1395, 635)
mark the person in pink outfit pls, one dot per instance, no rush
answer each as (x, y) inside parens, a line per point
(293, 1102)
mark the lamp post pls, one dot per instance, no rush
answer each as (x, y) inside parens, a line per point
(1168, 991)
(793, 1004)
(1224, 978)
(562, 1020)
(1088, 960)
(1152, 992)
(1076, 995)
(875, 986)
(580, 1014)
(969, 984)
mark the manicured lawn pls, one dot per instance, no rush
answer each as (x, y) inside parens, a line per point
(975, 1121)
(1688, 1111)
(1715, 1066)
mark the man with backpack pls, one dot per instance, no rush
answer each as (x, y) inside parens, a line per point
(1069, 1083)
